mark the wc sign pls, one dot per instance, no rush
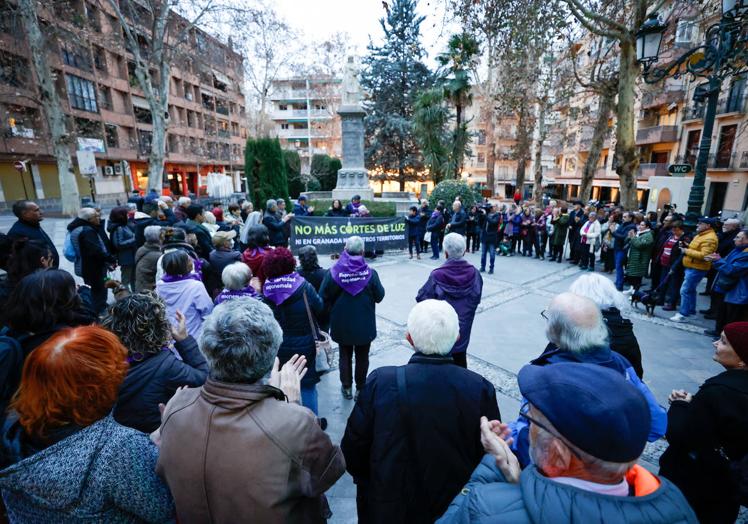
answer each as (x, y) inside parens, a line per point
(679, 169)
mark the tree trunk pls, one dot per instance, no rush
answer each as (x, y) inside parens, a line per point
(626, 155)
(489, 114)
(458, 151)
(537, 190)
(157, 154)
(524, 138)
(598, 137)
(52, 109)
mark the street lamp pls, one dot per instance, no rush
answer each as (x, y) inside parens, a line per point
(723, 54)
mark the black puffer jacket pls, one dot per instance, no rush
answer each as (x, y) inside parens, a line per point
(622, 338)
(297, 331)
(154, 381)
(353, 318)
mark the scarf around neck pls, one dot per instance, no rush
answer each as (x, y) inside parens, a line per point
(278, 289)
(228, 294)
(351, 273)
(179, 278)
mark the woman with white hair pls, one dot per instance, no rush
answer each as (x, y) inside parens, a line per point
(236, 279)
(611, 302)
(352, 290)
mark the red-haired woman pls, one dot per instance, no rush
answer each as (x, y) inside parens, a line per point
(287, 294)
(66, 457)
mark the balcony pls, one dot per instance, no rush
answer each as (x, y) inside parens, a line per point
(289, 94)
(732, 162)
(662, 98)
(731, 105)
(657, 134)
(291, 134)
(650, 169)
(694, 113)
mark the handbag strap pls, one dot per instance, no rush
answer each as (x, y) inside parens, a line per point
(312, 323)
(402, 395)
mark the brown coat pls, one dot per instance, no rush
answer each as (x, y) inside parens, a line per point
(235, 453)
(146, 259)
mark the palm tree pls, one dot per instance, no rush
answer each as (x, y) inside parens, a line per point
(457, 64)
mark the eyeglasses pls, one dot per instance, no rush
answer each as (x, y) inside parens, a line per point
(548, 430)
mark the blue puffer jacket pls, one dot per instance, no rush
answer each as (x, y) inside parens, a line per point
(602, 357)
(489, 498)
(735, 268)
(102, 473)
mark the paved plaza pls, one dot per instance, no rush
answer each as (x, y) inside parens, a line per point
(507, 333)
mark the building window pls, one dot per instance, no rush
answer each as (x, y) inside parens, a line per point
(724, 149)
(144, 142)
(692, 146)
(14, 70)
(685, 32)
(93, 18)
(76, 56)
(22, 121)
(110, 133)
(282, 107)
(481, 138)
(100, 59)
(481, 158)
(81, 93)
(142, 115)
(284, 126)
(734, 103)
(105, 97)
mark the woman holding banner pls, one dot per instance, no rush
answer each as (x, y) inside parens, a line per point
(351, 290)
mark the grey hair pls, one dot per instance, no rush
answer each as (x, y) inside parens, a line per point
(600, 290)
(184, 201)
(593, 465)
(354, 245)
(86, 213)
(270, 204)
(240, 340)
(433, 327)
(236, 276)
(454, 245)
(575, 324)
(152, 234)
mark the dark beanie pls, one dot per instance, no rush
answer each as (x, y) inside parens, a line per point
(593, 407)
(737, 336)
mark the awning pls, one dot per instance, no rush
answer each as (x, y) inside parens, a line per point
(222, 78)
(139, 101)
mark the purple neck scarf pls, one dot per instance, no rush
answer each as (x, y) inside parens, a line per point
(279, 289)
(436, 214)
(179, 278)
(228, 294)
(351, 273)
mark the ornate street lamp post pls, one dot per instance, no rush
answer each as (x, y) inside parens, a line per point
(722, 55)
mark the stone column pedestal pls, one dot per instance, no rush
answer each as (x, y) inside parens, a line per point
(353, 178)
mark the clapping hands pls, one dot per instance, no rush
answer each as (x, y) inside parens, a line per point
(288, 378)
(495, 439)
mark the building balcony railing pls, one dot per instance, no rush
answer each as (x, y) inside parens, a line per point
(694, 112)
(647, 170)
(736, 160)
(661, 98)
(656, 134)
(292, 134)
(732, 104)
(222, 110)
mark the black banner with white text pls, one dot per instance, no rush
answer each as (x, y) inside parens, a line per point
(328, 234)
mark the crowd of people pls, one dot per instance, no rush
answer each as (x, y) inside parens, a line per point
(191, 395)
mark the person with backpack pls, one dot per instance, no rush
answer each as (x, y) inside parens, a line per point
(707, 432)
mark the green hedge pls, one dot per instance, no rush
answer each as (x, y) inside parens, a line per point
(449, 189)
(377, 209)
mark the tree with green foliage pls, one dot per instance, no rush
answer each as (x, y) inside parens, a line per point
(430, 124)
(448, 190)
(457, 63)
(296, 182)
(392, 76)
(265, 169)
(320, 169)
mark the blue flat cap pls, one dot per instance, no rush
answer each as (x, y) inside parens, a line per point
(707, 220)
(593, 407)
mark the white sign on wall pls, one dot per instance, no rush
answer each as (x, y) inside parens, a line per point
(86, 163)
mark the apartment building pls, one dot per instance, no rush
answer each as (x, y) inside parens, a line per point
(304, 112)
(668, 131)
(108, 114)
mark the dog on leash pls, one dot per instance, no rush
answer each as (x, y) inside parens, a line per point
(649, 298)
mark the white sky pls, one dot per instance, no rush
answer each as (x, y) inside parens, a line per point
(360, 19)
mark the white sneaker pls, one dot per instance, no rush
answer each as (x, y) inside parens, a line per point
(629, 292)
(678, 318)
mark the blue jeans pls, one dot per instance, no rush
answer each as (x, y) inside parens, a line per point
(490, 248)
(435, 244)
(620, 258)
(688, 291)
(309, 398)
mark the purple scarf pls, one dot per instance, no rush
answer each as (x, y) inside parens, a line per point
(227, 294)
(435, 214)
(179, 278)
(279, 289)
(351, 273)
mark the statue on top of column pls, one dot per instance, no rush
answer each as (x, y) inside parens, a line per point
(351, 86)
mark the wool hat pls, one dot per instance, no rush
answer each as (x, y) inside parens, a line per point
(219, 237)
(737, 336)
(593, 407)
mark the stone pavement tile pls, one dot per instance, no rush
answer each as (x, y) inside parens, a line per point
(343, 510)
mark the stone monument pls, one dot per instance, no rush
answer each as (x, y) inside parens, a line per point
(353, 178)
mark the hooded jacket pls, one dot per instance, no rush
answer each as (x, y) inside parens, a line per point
(101, 473)
(459, 284)
(732, 276)
(537, 499)
(269, 461)
(190, 297)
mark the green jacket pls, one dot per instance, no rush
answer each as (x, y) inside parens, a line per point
(640, 251)
(560, 227)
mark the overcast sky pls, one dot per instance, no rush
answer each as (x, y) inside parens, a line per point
(360, 19)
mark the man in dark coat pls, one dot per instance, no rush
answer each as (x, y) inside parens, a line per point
(193, 225)
(413, 437)
(621, 245)
(489, 237)
(726, 237)
(352, 290)
(458, 222)
(136, 199)
(301, 209)
(276, 226)
(461, 285)
(577, 218)
(28, 225)
(93, 259)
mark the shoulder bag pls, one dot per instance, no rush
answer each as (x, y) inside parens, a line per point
(323, 358)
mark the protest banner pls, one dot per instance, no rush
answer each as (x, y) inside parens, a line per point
(328, 234)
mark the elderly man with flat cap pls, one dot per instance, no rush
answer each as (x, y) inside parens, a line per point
(588, 428)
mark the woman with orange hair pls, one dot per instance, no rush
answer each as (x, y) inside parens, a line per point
(65, 457)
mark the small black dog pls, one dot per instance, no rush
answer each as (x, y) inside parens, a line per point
(650, 298)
